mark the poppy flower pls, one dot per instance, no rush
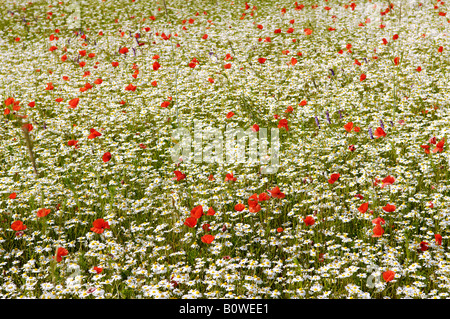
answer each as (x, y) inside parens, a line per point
(18, 225)
(98, 270)
(206, 227)
(389, 208)
(227, 66)
(303, 103)
(211, 177)
(379, 132)
(60, 252)
(82, 64)
(359, 196)
(210, 212)
(388, 275)
(309, 220)
(230, 177)
(378, 231)
(94, 134)
(283, 123)
(210, 80)
(389, 180)
(438, 239)
(440, 49)
(239, 207)
(115, 64)
(230, 114)
(439, 146)
(99, 226)
(276, 193)
(396, 60)
(106, 157)
(130, 87)
(73, 103)
(190, 222)
(362, 77)
(423, 246)
(49, 86)
(12, 196)
(27, 127)
(426, 148)
(261, 60)
(207, 239)
(293, 61)
(179, 176)
(378, 221)
(351, 148)
(72, 142)
(64, 58)
(197, 211)
(98, 81)
(123, 50)
(363, 208)
(255, 128)
(307, 31)
(333, 178)
(289, 109)
(419, 69)
(42, 212)
(156, 66)
(348, 127)
(263, 197)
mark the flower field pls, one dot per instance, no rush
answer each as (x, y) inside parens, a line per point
(95, 201)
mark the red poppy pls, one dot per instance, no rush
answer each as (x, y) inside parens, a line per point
(73, 103)
(348, 127)
(49, 86)
(106, 157)
(179, 176)
(197, 211)
(130, 87)
(12, 196)
(27, 127)
(207, 239)
(239, 207)
(98, 269)
(123, 50)
(261, 60)
(190, 222)
(230, 114)
(333, 178)
(280, 229)
(60, 252)
(98, 81)
(283, 123)
(388, 180)
(210, 212)
(388, 275)
(210, 80)
(82, 64)
(211, 177)
(263, 197)
(206, 227)
(438, 239)
(230, 177)
(99, 226)
(379, 132)
(293, 61)
(94, 134)
(156, 65)
(389, 208)
(309, 220)
(362, 77)
(227, 66)
(378, 221)
(351, 148)
(363, 208)
(378, 231)
(18, 226)
(43, 212)
(423, 246)
(303, 103)
(440, 49)
(255, 128)
(439, 146)
(72, 142)
(276, 193)
(308, 31)
(115, 64)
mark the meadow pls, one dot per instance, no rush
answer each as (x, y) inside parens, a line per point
(93, 204)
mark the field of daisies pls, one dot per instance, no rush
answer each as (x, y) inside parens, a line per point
(93, 204)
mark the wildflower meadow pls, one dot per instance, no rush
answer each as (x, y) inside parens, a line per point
(224, 149)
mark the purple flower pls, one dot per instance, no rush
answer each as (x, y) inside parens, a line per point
(328, 117)
(332, 72)
(340, 114)
(317, 122)
(381, 124)
(370, 133)
(134, 51)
